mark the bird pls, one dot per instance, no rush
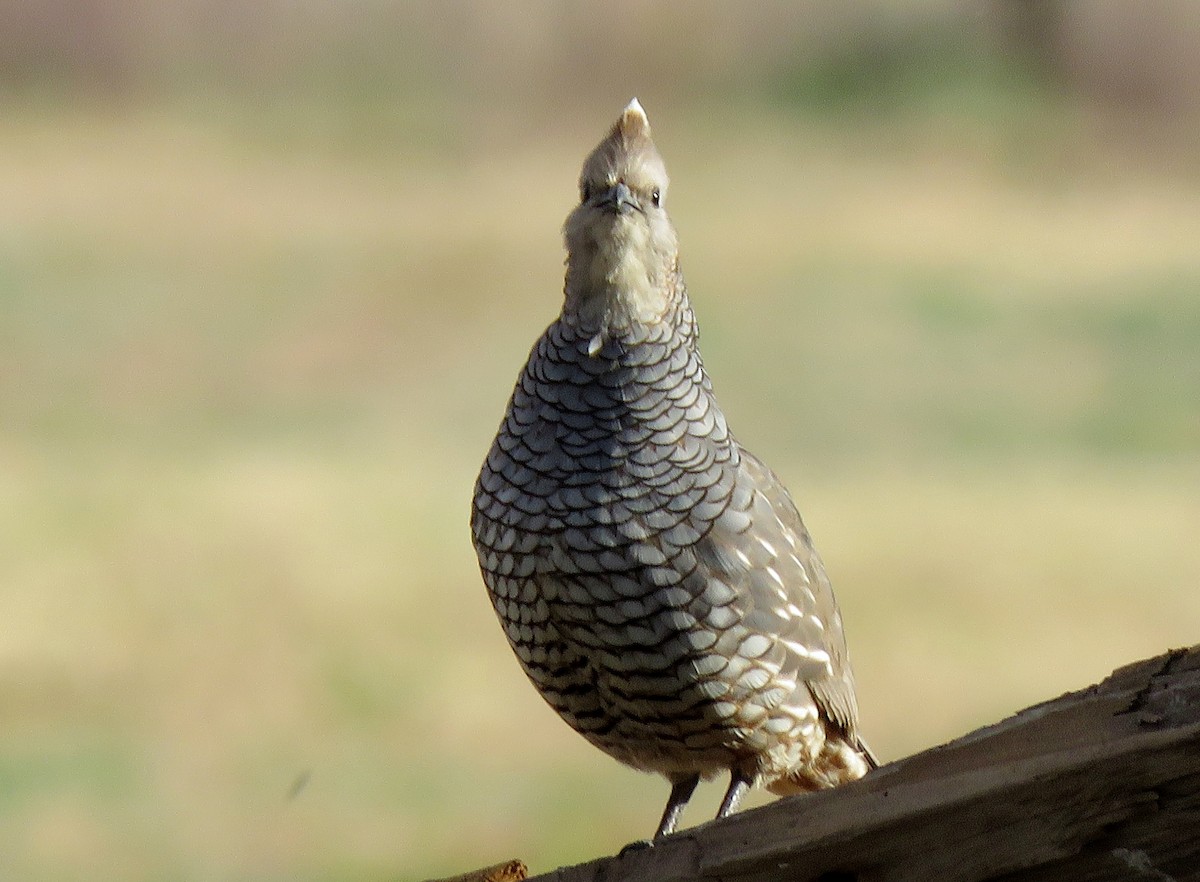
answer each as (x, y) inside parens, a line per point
(654, 577)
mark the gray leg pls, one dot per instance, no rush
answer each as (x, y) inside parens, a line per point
(739, 783)
(681, 792)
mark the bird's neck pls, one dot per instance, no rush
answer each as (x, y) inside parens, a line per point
(614, 293)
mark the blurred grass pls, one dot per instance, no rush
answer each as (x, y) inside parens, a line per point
(250, 362)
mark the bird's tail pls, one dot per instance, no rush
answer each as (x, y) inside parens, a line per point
(839, 763)
(868, 754)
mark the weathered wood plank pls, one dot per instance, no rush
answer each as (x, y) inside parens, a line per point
(1101, 784)
(509, 871)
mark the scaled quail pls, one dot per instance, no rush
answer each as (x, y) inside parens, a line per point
(653, 576)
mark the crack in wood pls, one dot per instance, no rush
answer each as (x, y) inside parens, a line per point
(1153, 683)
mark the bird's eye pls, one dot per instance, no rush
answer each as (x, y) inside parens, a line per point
(656, 197)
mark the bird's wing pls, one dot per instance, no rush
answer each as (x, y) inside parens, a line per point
(761, 545)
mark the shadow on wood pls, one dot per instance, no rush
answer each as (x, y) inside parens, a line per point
(1101, 784)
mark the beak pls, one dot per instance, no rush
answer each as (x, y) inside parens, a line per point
(619, 200)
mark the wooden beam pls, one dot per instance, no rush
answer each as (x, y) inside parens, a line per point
(1101, 784)
(509, 871)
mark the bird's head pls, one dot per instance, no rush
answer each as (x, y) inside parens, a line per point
(621, 247)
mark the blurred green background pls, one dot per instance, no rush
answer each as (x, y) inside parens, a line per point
(268, 271)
